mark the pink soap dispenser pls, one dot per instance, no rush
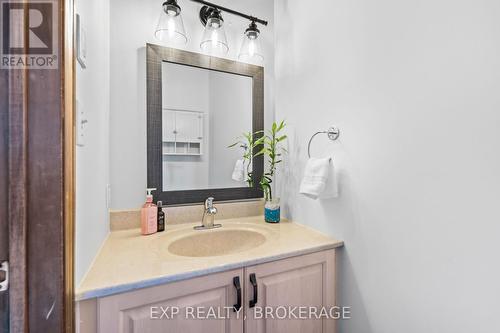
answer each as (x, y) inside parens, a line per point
(149, 223)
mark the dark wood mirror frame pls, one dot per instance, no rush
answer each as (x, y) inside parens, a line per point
(156, 55)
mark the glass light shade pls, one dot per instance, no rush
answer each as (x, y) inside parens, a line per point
(251, 50)
(214, 39)
(170, 28)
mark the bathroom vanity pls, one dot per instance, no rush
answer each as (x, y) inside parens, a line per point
(244, 275)
(136, 281)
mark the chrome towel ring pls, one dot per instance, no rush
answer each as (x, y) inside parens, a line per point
(333, 134)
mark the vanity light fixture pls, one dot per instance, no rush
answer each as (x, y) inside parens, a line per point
(170, 28)
(214, 39)
(251, 50)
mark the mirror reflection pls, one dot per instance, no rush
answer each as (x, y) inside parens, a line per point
(203, 111)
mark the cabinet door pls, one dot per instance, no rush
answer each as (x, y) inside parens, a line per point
(168, 126)
(139, 311)
(188, 126)
(304, 281)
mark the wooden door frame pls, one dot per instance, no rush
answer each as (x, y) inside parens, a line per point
(41, 175)
(69, 154)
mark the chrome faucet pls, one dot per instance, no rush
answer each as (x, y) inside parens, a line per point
(207, 221)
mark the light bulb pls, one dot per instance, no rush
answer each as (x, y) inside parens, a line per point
(171, 12)
(171, 28)
(214, 39)
(251, 48)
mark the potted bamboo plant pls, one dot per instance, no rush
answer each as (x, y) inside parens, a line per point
(272, 149)
(271, 146)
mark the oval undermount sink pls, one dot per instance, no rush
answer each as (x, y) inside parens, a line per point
(216, 242)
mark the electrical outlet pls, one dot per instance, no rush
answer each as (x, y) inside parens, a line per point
(108, 196)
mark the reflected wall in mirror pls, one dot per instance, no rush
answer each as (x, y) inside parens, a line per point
(203, 111)
(198, 106)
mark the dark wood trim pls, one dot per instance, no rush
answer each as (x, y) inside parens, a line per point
(45, 192)
(36, 193)
(155, 55)
(17, 200)
(17, 196)
(4, 190)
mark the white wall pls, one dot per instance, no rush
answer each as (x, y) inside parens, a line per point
(92, 160)
(132, 26)
(414, 88)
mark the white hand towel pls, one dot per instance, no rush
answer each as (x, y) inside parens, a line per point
(331, 187)
(239, 171)
(318, 174)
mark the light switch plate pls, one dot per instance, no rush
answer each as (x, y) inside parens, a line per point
(81, 124)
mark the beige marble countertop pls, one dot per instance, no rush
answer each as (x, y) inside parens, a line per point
(129, 261)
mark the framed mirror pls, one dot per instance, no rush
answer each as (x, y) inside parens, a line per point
(197, 107)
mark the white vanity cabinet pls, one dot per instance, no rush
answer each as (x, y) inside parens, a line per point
(302, 281)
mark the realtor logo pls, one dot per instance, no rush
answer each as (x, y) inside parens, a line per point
(29, 34)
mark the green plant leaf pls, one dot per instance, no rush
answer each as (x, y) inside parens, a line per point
(281, 138)
(259, 141)
(232, 145)
(261, 152)
(281, 126)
